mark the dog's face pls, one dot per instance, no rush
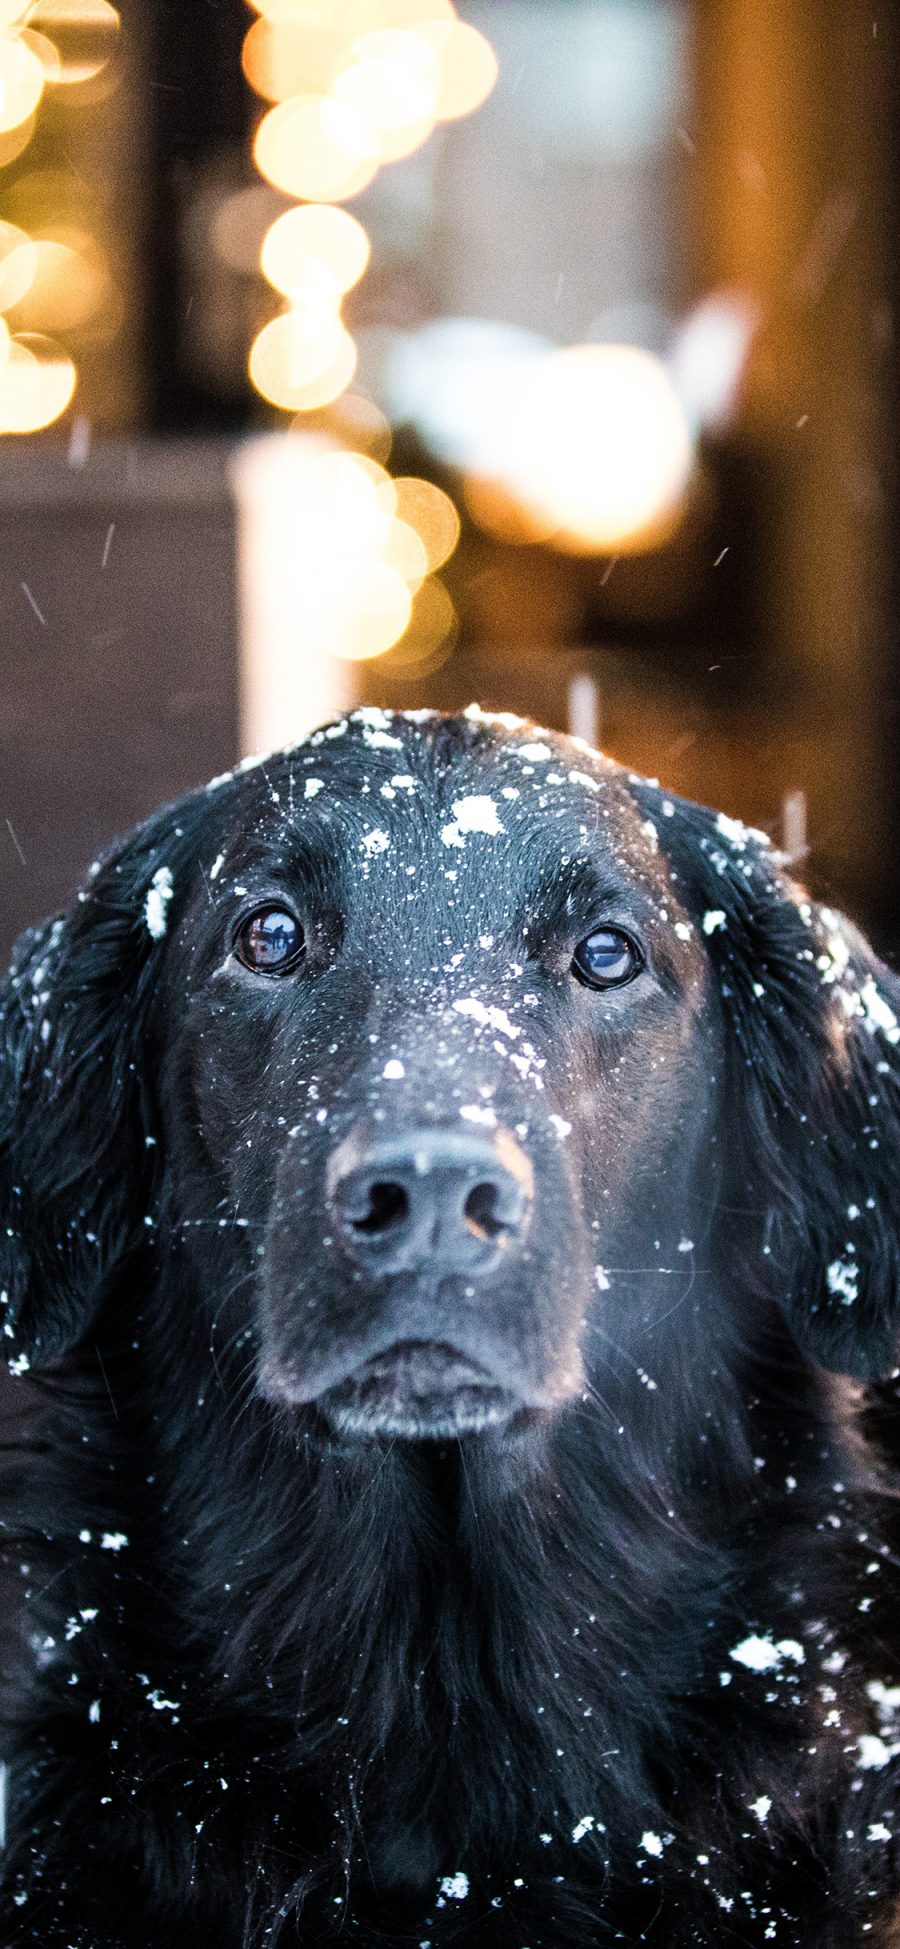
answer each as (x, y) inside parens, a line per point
(422, 1042)
(438, 1038)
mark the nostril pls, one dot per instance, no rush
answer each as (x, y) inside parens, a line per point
(388, 1207)
(483, 1214)
(429, 1201)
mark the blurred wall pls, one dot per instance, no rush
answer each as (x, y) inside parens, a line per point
(118, 654)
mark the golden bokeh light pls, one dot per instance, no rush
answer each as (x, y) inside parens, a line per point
(21, 81)
(362, 467)
(18, 264)
(605, 453)
(311, 288)
(316, 148)
(315, 234)
(467, 68)
(370, 16)
(431, 513)
(385, 557)
(377, 613)
(83, 34)
(406, 552)
(392, 83)
(354, 84)
(331, 381)
(333, 554)
(499, 512)
(63, 282)
(289, 55)
(295, 360)
(322, 528)
(430, 635)
(309, 14)
(356, 498)
(44, 51)
(54, 277)
(353, 421)
(37, 382)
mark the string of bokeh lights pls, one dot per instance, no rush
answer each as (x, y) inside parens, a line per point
(354, 85)
(53, 276)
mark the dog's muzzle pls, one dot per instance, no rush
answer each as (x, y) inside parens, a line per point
(449, 1201)
(424, 1221)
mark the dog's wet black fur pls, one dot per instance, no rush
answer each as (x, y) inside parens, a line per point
(452, 1504)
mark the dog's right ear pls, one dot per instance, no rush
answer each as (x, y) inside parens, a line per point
(76, 1112)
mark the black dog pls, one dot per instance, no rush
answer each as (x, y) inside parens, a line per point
(441, 1179)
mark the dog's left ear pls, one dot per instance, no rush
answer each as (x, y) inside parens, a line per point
(76, 1095)
(812, 1099)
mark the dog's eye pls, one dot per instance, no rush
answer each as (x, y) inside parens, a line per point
(606, 959)
(269, 941)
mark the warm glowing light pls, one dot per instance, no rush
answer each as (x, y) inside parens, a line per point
(316, 148)
(333, 558)
(361, 466)
(368, 16)
(392, 83)
(337, 557)
(308, 14)
(431, 513)
(430, 635)
(62, 284)
(499, 512)
(331, 382)
(316, 234)
(355, 496)
(290, 55)
(297, 355)
(468, 68)
(36, 385)
(322, 554)
(43, 51)
(406, 552)
(355, 422)
(603, 453)
(18, 264)
(21, 81)
(305, 359)
(379, 609)
(83, 34)
(310, 286)
(56, 278)
(355, 83)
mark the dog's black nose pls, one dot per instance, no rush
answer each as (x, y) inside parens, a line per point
(449, 1200)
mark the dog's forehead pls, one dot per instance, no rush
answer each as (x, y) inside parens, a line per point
(381, 795)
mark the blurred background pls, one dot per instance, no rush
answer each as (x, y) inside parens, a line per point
(534, 351)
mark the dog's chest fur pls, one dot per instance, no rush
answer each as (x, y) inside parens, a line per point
(432, 1744)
